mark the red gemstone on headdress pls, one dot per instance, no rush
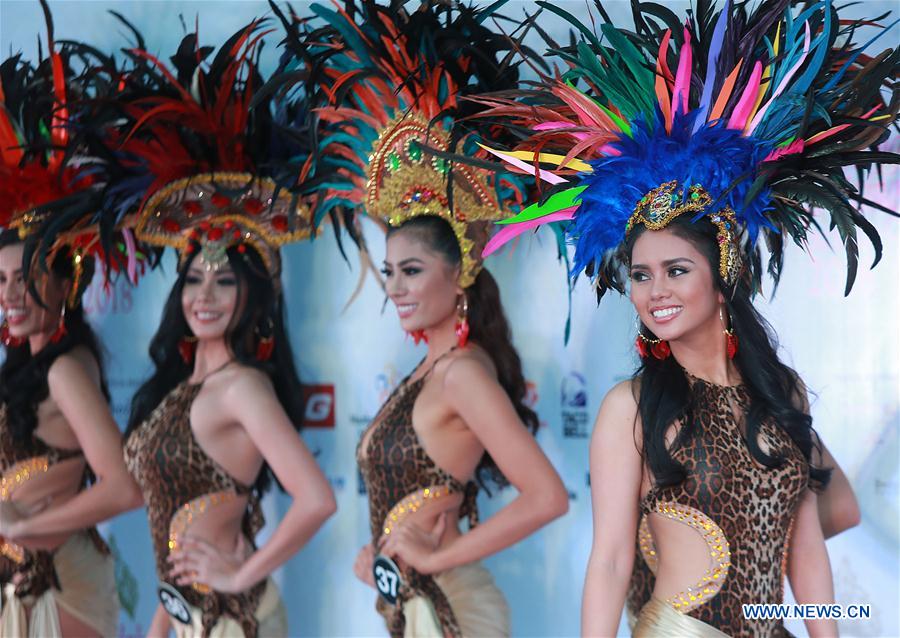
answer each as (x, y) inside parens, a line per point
(236, 233)
(253, 206)
(192, 208)
(170, 225)
(228, 224)
(242, 248)
(280, 223)
(215, 234)
(204, 226)
(220, 201)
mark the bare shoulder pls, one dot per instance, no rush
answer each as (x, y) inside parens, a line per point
(618, 418)
(466, 366)
(77, 362)
(621, 400)
(242, 385)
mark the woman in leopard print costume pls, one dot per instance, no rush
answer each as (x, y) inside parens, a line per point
(707, 454)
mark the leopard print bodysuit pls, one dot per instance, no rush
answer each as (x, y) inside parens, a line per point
(399, 476)
(20, 462)
(179, 481)
(743, 510)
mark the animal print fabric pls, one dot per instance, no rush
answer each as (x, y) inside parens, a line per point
(754, 505)
(393, 465)
(172, 470)
(37, 573)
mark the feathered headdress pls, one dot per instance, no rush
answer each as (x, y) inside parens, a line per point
(394, 82)
(748, 119)
(210, 161)
(45, 191)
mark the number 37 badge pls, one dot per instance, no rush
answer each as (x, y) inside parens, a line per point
(387, 578)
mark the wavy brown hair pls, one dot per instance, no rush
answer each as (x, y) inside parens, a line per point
(488, 328)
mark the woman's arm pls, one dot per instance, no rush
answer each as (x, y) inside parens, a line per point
(254, 404)
(160, 625)
(615, 493)
(837, 506)
(480, 401)
(75, 389)
(809, 570)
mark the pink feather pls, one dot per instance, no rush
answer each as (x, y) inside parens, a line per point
(781, 86)
(508, 233)
(742, 111)
(547, 176)
(683, 76)
(555, 126)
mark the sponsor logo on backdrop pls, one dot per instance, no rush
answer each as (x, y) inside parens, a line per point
(573, 400)
(319, 399)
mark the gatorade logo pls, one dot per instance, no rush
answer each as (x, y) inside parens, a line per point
(319, 401)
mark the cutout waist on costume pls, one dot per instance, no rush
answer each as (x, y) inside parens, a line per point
(413, 502)
(197, 512)
(719, 551)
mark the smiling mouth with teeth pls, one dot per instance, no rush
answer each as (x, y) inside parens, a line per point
(666, 312)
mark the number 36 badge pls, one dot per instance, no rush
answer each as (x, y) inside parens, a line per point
(387, 578)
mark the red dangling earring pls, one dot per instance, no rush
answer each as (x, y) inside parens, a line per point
(418, 336)
(462, 323)
(264, 348)
(8, 340)
(731, 340)
(60, 331)
(659, 348)
(266, 345)
(187, 345)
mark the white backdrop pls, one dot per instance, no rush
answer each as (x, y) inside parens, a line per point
(846, 349)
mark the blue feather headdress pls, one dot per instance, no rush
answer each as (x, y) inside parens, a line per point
(752, 130)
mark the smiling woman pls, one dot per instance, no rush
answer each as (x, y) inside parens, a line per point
(459, 420)
(707, 454)
(218, 420)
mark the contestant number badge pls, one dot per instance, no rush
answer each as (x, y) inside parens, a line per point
(387, 578)
(174, 603)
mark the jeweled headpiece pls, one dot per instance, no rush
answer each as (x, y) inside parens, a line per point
(394, 82)
(752, 132)
(212, 162)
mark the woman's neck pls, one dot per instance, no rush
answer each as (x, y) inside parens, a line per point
(703, 354)
(211, 355)
(441, 339)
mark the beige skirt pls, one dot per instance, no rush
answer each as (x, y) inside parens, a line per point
(88, 581)
(270, 614)
(659, 620)
(479, 606)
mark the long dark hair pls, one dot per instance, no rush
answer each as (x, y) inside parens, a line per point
(773, 388)
(23, 376)
(261, 315)
(488, 328)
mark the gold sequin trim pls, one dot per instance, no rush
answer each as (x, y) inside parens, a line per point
(411, 503)
(180, 207)
(15, 477)
(185, 516)
(400, 185)
(719, 551)
(660, 206)
(21, 473)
